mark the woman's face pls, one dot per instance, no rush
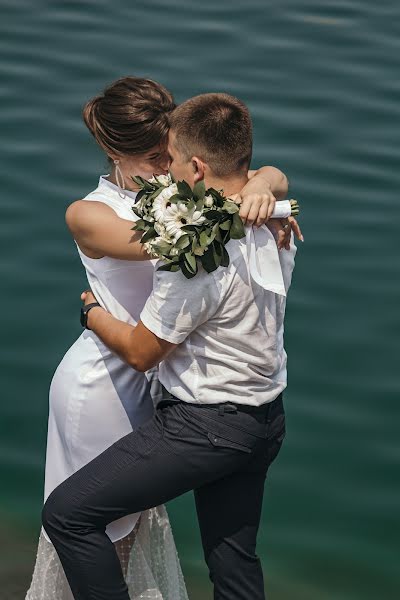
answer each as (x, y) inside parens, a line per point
(153, 162)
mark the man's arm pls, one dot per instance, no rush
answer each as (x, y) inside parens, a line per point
(272, 177)
(137, 346)
(176, 307)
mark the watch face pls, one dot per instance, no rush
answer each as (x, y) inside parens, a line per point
(83, 317)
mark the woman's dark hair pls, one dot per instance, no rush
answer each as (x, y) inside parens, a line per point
(130, 116)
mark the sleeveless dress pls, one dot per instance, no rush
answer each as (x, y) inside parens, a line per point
(95, 399)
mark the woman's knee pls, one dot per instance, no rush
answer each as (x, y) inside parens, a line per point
(51, 514)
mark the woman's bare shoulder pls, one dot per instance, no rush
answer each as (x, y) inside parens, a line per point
(83, 215)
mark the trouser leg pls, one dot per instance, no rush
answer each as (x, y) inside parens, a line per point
(229, 515)
(229, 511)
(146, 468)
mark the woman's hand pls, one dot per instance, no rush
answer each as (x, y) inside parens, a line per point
(282, 230)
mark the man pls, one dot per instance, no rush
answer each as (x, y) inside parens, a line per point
(220, 339)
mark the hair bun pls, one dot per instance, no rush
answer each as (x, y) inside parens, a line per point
(89, 114)
(130, 117)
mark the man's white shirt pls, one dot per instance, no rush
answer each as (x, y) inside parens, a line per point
(229, 330)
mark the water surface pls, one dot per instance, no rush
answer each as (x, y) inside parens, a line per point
(321, 80)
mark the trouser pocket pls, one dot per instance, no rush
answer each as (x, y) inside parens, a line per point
(221, 434)
(221, 441)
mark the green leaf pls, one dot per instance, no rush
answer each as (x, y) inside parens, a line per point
(162, 248)
(186, 271)
(154, 194)
(191, 262)
(150, 234)
(139, 180)
(139, 225)
(225, 235)
(172, 266)
(211, 215)
(177, 198)
(225, 257)
(140, 195)
(136, 211)
(216, 255)
(219, 198)
(158, 183)
(217, 232)
(182, 242)
(199, 190)
(200, 205)
(203, 239)
(207, 260)
(237, 228)
(225, 225)
(230, 207)
(184, 189)
(211, 236)
(190, 227)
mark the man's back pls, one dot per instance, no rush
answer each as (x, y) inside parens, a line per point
(229, 328)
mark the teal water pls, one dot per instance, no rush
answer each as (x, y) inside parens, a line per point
(321, 80)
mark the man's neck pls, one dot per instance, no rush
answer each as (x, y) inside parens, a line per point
(230, 185)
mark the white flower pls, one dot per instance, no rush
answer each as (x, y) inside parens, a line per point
(178, 215)
(163, 235)
(163, 179)
(160, 229)
(199, 251)
(208, 201)
(151, 245)
(161, 203)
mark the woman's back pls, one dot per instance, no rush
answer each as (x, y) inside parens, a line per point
(120, 286)
(96, 398)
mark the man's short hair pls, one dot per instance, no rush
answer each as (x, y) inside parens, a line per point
(217, 128)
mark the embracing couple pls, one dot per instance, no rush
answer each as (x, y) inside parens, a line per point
(175, 384)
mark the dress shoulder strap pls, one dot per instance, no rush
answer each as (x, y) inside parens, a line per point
(109, 196)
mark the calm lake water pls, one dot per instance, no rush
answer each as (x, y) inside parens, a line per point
(322, 82)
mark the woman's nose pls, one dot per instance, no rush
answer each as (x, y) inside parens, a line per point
(164, 164)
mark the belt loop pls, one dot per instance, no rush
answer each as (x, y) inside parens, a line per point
(221, 410)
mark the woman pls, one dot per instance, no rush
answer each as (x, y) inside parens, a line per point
(95, 398)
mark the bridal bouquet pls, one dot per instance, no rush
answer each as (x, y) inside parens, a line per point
(186, 227)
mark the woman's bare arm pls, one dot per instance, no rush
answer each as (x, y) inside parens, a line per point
(99, 232)
(271, 176)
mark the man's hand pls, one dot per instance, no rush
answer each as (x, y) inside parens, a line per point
(256, 208)
(136, 345)
(282, 229)
(88, 297)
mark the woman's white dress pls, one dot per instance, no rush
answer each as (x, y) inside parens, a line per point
(95, 399)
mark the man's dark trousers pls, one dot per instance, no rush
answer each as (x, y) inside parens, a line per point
(222, 452)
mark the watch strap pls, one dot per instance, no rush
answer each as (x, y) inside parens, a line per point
(85, 311)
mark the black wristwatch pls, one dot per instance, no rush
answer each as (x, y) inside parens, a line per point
(85, 312)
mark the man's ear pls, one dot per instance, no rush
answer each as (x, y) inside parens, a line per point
(199, 168)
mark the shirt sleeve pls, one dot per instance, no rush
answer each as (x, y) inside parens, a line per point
(178, 305)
